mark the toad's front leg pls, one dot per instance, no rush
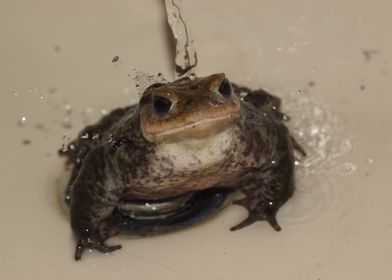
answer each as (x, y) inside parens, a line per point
(267, 191)
(93, 201)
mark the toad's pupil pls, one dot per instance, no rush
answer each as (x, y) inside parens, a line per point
(162, 105)
(225, 88)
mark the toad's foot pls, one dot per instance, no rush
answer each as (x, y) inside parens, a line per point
(258, 211)
(92, 243)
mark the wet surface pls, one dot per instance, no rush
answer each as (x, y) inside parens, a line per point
(58, 75)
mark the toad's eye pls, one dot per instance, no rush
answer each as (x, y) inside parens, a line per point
(225, 88)
(162, 105)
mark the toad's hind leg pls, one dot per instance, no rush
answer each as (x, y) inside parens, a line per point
(267, 191)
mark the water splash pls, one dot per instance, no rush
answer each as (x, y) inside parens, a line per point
(143, 80)
(318, 129)
(325, 137)
(66, 141)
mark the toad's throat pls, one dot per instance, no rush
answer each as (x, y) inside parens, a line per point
(195, 129)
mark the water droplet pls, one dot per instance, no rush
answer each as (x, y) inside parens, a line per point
(14, 93)
(243, 94)
(52, 90)
(85, 135)
(104, 112)
(346, 169)
(32, 90)
(87, 111)
(87, 115)
(26, 142)
(66, 139)
(41, 96)
(314, 130)
(39, 126)
(110, 138)
(370, 161)
(67, 123)
(22, 121)
(116, 59)
(68, 108)
(192, 76)
(296, 163)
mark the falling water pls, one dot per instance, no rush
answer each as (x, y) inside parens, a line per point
(186, 56)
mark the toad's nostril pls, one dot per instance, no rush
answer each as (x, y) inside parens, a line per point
(162, 105)
(225, 88)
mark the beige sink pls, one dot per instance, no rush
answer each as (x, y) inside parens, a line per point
(328, 60)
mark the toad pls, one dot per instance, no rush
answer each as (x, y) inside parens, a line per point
(184, 138)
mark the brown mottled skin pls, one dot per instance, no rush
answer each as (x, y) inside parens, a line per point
(184, 136)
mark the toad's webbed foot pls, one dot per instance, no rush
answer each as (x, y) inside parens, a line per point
(93, 243)
(262, 211)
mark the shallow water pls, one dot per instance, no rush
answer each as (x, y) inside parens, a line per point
(334, 83)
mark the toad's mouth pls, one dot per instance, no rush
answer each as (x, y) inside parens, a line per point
(196, 129)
